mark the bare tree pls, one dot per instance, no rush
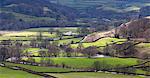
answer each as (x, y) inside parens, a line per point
(79, 49)
(90, 51)
(69, 51)
(3, 53)
(33, 43)
(53, 50)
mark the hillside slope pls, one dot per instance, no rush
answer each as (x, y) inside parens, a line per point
(139, 28)
(20, 14)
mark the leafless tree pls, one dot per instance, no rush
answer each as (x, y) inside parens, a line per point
(90, 51)
(53, 50)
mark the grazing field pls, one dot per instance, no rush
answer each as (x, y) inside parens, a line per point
(25, 35)
(101, 42)
(40, 68)
(60, 72)
(144, 45)
(32, 51)
(61, 29)
(28, 34)
(67, 41)
(87, 62)
(32, 33)
(8, 73)
(92, 75)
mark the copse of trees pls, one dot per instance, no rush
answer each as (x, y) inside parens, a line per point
(90, 51)
(3, 53)
(4, 50)
(11, 51)
(135, 29)
(69, 51)
(53, 50)
(126, 49)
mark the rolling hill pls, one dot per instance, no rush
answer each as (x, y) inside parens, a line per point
(21, 14)
(139, 28)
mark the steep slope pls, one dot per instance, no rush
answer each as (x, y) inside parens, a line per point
(136, 29)
(139, 28)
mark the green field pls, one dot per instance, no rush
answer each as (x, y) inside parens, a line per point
(25, 35)
(144, 45)
(101, 42)
(8, 73)
(32, 33)
(28, 34)
(5, 73)
(63, 29)
(32, 51)
(87, 62)
(67, 41)
(92, 75)
(40, 68)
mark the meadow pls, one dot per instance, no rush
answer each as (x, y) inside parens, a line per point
(73, 63)
(40, 68)
(101, 42)
(67, 41)
(92, 75)
(8, 73)
(88, 62)
(61, 29)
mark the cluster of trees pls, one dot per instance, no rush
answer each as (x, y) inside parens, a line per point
(54, 49)
(136, 29)
(126, 49)
(10, 51)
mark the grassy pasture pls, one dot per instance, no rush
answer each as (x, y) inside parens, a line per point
(144, 45)
(61, 29)
(66, 41)
(32, 51)
(40, 68)
(28, 34)
(8, 73)
(101, 42)
(25, 35)
(60, 73)
(92, 75)
(87, 62)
